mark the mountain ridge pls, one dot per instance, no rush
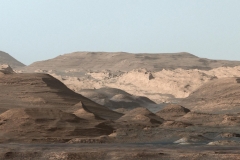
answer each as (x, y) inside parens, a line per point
(122, 61)
(5, 58)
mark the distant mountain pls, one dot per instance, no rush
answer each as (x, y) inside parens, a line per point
(96, 61)
(7, 59)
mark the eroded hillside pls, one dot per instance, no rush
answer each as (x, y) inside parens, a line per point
(162, 86)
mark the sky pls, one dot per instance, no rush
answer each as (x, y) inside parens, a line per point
(34, 30)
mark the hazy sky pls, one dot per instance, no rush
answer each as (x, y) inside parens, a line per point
(32, 30)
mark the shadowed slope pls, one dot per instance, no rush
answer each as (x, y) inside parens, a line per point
(42, 90)
(7, 59)
(84, 113)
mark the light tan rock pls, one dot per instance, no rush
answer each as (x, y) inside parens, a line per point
(6, 69)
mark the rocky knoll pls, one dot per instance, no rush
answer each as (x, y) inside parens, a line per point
(118, 99)
(42, 90)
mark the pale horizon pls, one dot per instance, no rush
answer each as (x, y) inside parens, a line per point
(39, 30)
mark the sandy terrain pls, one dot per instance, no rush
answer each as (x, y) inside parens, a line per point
(41, 118)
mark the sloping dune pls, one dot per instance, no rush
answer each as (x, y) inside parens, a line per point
(217, 96)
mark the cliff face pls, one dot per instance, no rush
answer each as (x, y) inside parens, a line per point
(6, 69)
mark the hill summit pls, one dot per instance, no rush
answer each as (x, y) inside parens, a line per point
(7, 59)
